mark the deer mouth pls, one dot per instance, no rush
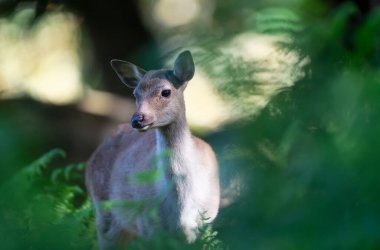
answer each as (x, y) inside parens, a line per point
(145, 128)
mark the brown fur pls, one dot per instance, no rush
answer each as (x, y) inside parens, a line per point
(100, 166)
(187, 183)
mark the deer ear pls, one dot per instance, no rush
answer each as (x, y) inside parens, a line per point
(184, 66)
(127, 72)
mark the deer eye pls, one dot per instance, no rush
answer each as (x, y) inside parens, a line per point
(165, 93)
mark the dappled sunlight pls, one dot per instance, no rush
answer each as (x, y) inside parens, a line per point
(107, 105)
(205, 109)
(41, 61)
(279, 66)
(256, 60)
(236, 76)
(172, 22)
(171, 13)
(275, 69)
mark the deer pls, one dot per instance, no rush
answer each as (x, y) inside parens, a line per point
(186, 191)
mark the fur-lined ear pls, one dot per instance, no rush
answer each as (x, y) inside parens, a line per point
(184, 66)
(127, 72)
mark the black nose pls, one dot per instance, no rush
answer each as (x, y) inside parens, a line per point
(137, 120)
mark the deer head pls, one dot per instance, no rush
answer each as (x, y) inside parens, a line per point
(158, 93)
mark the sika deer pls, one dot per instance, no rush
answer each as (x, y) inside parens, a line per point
(187, 186)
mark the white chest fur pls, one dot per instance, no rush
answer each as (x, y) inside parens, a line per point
(180, 169)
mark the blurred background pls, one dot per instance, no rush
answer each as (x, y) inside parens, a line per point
(287, 92)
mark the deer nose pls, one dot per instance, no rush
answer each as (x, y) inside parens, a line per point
(137, 120)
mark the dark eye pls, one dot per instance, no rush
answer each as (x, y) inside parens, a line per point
(165, 93)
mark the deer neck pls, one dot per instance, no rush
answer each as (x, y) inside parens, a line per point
(176, 139)
(174, 150)
(175, 134)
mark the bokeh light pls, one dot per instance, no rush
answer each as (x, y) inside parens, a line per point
(41, 61)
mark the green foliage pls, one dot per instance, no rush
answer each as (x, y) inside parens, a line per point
(311, 174)
(209, 237)
(38, 212)
(44, 208)
(276, 21)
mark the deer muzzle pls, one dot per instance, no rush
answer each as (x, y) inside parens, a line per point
(139, 121)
